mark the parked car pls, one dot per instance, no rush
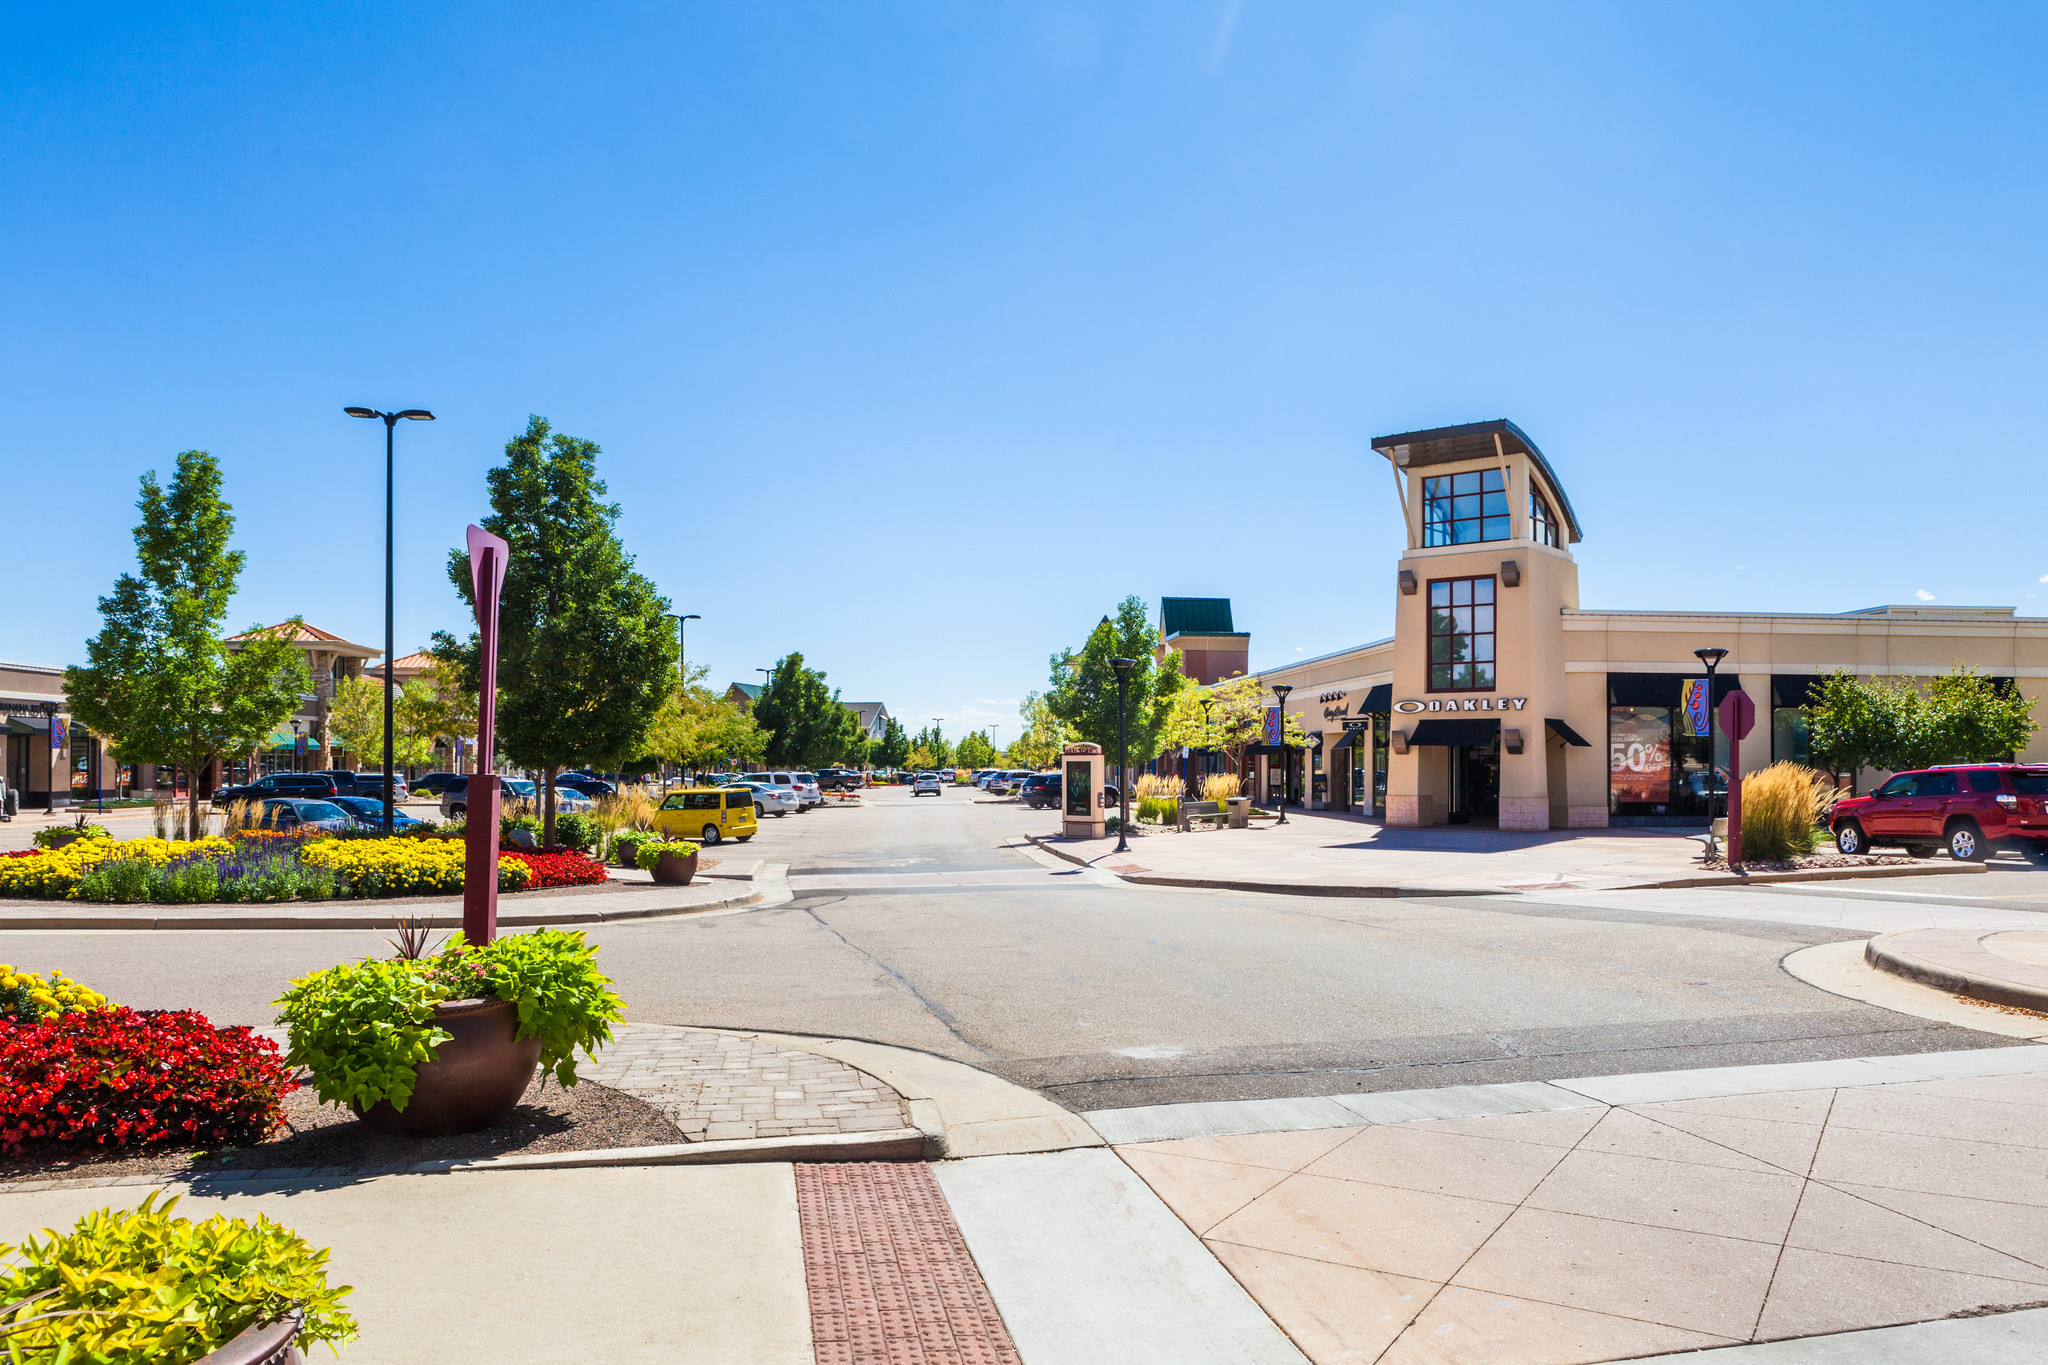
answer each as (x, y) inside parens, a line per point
(770, 799)
(1007, 784)
(370, 811)
(430, 784)
(837, 779)
(309, 785)
(291, 813)
(1970, 809)
(592, 787)
(805, 785)
(927, 782)
(708, 814)
(1041, 790)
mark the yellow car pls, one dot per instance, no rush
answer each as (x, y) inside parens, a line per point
(708, 814)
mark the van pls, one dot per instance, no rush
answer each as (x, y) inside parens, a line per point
(708, 814)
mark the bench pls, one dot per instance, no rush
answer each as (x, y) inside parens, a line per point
(1191, 811)
(1710, 842)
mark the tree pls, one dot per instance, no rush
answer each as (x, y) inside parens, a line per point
(1894, 725)
(434, 707)
(932, 741)
(975, 751)
(1045, 735)
(808, 726)
(892, 750)
(1233, 720)
(586, 656)
(921, 759)
(698, 728)
(357, 715)
(1084, 686)
(158, 679)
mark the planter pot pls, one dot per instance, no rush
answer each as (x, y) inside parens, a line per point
(672, 869)
(271, 1343)
(57, 838)
(475, 1080)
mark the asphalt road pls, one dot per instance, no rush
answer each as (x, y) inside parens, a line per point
(916, 922)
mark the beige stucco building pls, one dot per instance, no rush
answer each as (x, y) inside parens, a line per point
(1501, 699)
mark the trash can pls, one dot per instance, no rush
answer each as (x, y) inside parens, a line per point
(1240, 811)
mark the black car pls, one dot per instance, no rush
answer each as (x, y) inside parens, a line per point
(430, 784)
(1043, 789)
(592, 787)
(309, 785)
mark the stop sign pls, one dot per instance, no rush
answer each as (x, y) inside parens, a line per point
(1738, 714)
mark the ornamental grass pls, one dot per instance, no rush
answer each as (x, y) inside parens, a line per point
(1784, 809)
(1151, 785)
(1221, 786)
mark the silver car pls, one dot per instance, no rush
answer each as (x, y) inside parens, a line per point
(293, 813)
(927, 782)
(770, 799)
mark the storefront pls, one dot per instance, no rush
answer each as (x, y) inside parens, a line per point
(1501, 701)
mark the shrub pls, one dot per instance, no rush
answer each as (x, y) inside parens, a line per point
(1221, 786)
(648, 852)
(1783, 810)
(144, 1288)
(577, 831)
(556, 868)
(114, 1077)
(1151, 785)
(361, 1029)
(26, 997)
(1160, 810)
(626, 845)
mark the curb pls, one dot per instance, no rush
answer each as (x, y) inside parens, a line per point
(436, 920)
(1811, 874)
(1880, 953)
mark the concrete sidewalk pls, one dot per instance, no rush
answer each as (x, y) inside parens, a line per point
(1320, 853)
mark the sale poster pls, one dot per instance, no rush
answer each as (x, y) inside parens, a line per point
(1639, 758)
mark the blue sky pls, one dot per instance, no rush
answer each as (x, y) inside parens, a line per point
(916, 335)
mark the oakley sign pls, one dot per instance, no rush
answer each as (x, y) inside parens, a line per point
(1410, 708)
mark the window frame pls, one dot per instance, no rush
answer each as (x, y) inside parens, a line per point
(1543, 527)
(1430, 636)
(1506, 516)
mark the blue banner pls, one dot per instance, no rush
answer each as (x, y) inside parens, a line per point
(1276, 726)
(1695, 703)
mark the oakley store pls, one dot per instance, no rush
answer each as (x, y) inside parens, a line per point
(1501, 701)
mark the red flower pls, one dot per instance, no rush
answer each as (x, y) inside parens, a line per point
(557, 869)
(124, 1078)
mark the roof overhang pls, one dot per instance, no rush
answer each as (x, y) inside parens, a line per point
(1474, 441)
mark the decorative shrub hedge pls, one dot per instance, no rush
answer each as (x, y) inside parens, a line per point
(117, 1077)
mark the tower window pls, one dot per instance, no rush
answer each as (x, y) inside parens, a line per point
(1461, 634)
(1542, 521)
(1458, 509)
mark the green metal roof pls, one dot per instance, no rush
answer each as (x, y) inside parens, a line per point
(1195, 616)
(752, 690)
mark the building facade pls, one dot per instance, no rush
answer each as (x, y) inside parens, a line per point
(1500, 700)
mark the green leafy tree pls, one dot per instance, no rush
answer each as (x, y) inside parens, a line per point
(932, 741)
(434, 707)
(1233, 720)
(158, 678)
(699, 728)
(1894, 725)
(1975, 720)
(921, 759)
(892, 750)
(975, 751)
(586, 656)
(1045, 735)
(1084, 686)
(357, 716)
(807, 725)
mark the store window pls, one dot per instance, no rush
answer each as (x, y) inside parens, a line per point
(1542, 521)
(1461, 634)
(1460, 509)
(1657, 757)
(1790, 739)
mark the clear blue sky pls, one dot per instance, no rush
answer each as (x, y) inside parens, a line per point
(916, 335)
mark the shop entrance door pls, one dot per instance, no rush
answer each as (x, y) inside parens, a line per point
(1475, 784)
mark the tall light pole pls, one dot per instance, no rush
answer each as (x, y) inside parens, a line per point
(391, 420)
(1712, 659)
(1123, 669)
(682, 653)
(1281, 690)
(1207, 733)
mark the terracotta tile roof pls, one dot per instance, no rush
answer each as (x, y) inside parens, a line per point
(311, 635)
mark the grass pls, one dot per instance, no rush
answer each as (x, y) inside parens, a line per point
(1784, 809)
(1221, 786)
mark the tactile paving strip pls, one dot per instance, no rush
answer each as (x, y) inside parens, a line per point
(891, 1282)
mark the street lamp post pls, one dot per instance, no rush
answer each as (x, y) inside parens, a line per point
(682, 653)
(1281, 690)
(391, 420)
(1123, 669)
(1712, 659)
(298, 730)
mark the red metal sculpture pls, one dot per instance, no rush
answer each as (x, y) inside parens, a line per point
(487, 555)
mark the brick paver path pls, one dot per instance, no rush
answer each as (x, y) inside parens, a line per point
(889, 1276)
(716, 1086)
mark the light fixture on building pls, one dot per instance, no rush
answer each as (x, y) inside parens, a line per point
(1397, 740)
(1512, 740)
(1510, 574)
(1407, 583)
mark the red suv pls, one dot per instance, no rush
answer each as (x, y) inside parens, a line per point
(1972, 809)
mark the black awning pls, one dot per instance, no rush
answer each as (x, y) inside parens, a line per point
(1470, 732)
(1663, 689)
(1566, 733)
(1350, 737)
(28, 725)
(1794, 689)
(1379, 701)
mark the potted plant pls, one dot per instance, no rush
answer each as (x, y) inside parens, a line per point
(433, 1046)
(142, 1285)
(626, 845)
(673, 862)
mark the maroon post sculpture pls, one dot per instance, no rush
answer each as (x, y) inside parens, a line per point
(1738, 718)
(487, 555)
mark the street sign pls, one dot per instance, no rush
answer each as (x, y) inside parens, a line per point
(1738, 714)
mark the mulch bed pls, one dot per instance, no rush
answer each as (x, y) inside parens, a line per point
(1814, 860)
(587, 1117)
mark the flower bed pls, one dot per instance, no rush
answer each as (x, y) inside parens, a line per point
(26, 997)
(115, 1077)
(55, 873)
(255, 866)
(555, 868)
(403, 866)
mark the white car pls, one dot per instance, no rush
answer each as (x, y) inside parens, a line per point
(805, 785)
(927, 782)
(770, 799)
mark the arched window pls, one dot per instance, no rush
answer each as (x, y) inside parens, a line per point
(1542, 521)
